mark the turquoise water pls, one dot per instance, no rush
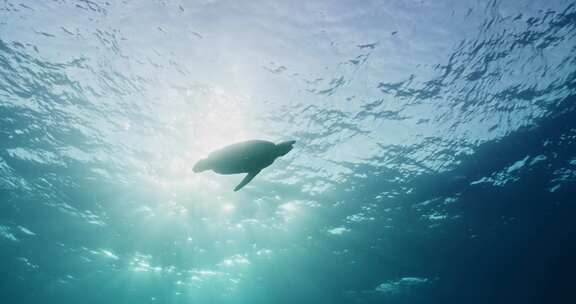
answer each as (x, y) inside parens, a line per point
(435, 159)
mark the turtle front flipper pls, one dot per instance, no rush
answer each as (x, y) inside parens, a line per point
(246, 179)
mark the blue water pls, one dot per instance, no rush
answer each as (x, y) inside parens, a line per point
(435, 159)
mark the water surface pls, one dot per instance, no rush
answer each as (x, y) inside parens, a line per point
(435, 159)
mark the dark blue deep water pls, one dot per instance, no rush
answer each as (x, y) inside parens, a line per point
(435, 159)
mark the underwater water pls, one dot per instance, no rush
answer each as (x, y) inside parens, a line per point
(435, 155)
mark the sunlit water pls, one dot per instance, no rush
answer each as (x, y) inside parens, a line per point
(435, 159)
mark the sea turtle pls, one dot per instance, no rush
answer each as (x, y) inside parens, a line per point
(244, 157)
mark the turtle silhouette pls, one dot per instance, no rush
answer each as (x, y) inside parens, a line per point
(244, 157)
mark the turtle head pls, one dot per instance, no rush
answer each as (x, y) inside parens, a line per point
(284, 147)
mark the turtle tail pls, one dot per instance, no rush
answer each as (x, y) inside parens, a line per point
(201, 165)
